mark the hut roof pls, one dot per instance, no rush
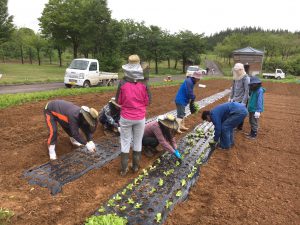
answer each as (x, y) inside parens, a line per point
(248, 51)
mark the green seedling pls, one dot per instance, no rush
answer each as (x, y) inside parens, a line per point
(152, 167)
(130, 201)
(191, 175)
(123, 208)
(177, 163)
(152, 190)
(179, 193)
(168, 204)
(158, 217)
(106, 219)
(102, 209)
(137, 205)
(169, 172)
(136, 181)
(118, 197)
(130, 186)
(145, 172)
(160, 182)
(111, 202)
(158, 160)
(124, 191)
(183, 182)
(194, 168)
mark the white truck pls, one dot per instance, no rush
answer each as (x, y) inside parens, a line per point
(85, 73)
(279, 74)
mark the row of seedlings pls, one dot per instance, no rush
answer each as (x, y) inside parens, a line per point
(153, 194)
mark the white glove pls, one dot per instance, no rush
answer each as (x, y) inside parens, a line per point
(91, 146)
(257, 115)
(119, 129)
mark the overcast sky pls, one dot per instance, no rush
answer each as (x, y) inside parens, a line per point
(198, 16)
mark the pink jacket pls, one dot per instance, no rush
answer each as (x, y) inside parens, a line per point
(133, 98)
(152, 129)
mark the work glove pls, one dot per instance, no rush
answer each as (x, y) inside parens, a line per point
(177, 154)
(91, 147)
(74, 142)
(257, 115)
(119, 129)
(192, 107)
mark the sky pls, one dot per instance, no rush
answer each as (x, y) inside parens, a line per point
(208, 17)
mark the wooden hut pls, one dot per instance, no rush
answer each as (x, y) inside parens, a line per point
(251, 58)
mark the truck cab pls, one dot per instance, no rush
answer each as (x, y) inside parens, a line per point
(82, 72)
(279, 74)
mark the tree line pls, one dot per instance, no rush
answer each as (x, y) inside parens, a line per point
(85, 28)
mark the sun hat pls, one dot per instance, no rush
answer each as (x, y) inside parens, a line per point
(90, 115)
(113, 101)
(254, 80)
(238, 71)
(133, 69)
(197, 75)
(169, 121)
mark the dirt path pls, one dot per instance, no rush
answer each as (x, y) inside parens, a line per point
(256, 182)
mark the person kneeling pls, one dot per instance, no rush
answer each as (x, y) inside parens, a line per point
(161, 131)
(109, 116)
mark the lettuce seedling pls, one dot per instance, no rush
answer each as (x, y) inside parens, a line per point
(158, 217)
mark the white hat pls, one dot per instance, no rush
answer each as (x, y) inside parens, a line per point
(133, 69)
(90, 115)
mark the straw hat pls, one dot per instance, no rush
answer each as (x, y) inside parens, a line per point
(133, 69)
(169, 121)
(113, 101)
(90, 115)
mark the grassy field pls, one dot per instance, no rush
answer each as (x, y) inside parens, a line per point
(14, 73)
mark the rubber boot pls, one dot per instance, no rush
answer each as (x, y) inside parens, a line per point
(183, 127)
(124, 163)
(179, 121)
(252, 135)
(136, 157)
(52, 152)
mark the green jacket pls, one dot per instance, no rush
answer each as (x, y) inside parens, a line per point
(256, 101)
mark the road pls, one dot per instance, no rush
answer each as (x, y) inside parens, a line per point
(25, 88)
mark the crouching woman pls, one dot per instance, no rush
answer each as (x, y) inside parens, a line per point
(161, 131)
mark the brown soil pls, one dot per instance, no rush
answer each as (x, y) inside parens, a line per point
(256, 182)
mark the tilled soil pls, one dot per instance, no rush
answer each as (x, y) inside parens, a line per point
(257, 182)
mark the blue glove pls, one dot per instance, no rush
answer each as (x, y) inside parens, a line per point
(177, 154)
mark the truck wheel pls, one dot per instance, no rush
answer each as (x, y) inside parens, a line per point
(86, 84)
(68, 85)
(278, 78)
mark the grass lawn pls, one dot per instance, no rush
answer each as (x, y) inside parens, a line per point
(14, 73)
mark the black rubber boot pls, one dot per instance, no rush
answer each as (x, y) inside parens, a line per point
(252, 135)
(136, 157)
(124, 163)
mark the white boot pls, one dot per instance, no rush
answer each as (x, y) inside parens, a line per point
(74, 142)
(52, 152)
(179, 121)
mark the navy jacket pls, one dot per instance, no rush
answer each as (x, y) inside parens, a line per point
(221, 113)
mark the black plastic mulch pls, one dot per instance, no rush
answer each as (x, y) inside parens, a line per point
(150, 197)
(74, 164)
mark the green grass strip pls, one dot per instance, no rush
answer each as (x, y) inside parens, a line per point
(8, 100)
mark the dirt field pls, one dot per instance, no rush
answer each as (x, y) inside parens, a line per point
(257, 182)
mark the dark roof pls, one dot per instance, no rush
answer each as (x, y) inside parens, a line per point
(248, 51)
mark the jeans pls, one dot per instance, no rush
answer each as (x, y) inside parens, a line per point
(150, 141)
(234, 119)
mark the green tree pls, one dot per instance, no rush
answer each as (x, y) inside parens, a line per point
(190, 46)
(78, 21)
(6, 23)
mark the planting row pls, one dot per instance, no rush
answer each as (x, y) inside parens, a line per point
(152, 194)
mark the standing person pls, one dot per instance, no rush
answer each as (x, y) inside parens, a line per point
(240, 87)
(161, 131)
(255, 105)
(71, 118)
(110, 115)
(225, 118)
(133, 97)
(185, 96)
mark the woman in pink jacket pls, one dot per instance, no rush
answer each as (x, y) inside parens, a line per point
(133, 97)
